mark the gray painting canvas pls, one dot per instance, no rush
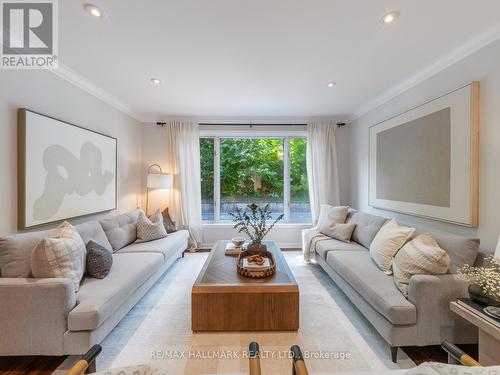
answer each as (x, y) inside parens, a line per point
(414, 161)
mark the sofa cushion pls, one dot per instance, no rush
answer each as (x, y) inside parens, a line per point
(98, 299)
(15, 253)
(98, 261)
(461, 250)
(92, 231)
(329, 213)
(121, 229)
(389, 239)
(367, 227)
(323, 247)
(420, 256)
(377, 288)
(167, 246)
(150, 228)
(60, 255)
(16, 249)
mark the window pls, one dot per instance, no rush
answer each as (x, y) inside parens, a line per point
(207, 178)
(241, 170)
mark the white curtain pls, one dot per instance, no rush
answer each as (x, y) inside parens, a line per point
(322, 172)
(183, 162)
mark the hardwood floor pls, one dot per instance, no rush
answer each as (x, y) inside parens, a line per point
(434, 353)
(32, 365)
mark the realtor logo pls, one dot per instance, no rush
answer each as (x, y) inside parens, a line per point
(29, 34)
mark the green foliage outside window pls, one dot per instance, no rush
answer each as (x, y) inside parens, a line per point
(253, 168)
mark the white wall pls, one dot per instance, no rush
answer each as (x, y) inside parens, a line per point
(46, 93)
(483, 66)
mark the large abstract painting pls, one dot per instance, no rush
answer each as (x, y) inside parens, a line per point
(424, 161)
(64, 170)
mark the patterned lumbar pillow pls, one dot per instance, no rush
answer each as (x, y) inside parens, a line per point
(389, 239)
(99, 260)
(420, 256)
(341, 232)
(60, 255)
(149, 229)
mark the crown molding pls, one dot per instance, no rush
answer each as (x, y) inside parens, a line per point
(470, 47)
(76, 79)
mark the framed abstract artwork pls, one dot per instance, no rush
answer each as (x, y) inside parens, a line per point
(424, 162)
(64, 171)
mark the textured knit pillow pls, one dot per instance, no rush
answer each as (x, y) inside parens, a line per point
(341, 232)
(389, 239)
(168, 223)
(60, 255)
(149, 229)
(99, 260)
(327, 214)
(420, 256)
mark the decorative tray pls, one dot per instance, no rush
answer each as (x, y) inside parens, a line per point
(267, 269)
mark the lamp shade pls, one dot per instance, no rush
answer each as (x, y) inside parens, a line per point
(159, 181)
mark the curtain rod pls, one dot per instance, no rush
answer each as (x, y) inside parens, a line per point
(233, 124)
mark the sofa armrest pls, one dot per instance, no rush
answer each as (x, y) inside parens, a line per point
(432, 294)
(33, 315)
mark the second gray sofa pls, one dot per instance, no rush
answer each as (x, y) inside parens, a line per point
(47, 317)
(422, 319)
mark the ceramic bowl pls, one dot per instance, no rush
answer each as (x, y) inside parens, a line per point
(238, 241)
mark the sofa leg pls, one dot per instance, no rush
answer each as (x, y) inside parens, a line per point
(394, 353)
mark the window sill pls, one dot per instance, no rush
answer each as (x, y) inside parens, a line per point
(228, 224)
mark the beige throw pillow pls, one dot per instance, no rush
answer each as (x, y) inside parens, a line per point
(149, 229)
(60, 255)
(341, 232)
(420, 256)
(337, 214)
(389, 239)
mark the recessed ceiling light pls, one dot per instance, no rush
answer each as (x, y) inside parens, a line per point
(155, 81)
(331, 84)
(93, 10)
(390, 17)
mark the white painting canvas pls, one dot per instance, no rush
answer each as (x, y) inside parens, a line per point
(423, 162)
(66, 171)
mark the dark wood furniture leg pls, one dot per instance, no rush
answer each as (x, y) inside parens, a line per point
(394, 353)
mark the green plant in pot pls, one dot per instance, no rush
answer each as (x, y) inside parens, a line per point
(255, 222)
(485, 288)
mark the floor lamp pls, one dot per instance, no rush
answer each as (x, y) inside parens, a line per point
(157, 181)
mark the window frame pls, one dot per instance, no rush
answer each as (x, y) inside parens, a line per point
(270, 133)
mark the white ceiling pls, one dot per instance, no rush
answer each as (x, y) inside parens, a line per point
(262, 58)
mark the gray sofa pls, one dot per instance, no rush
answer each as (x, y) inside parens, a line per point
(422, 319)
(47, 317)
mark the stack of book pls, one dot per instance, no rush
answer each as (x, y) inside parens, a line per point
(233, 250)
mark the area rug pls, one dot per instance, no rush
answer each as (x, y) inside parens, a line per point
(333, 335)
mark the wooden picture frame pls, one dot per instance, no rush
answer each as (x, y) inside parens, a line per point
(425, 161)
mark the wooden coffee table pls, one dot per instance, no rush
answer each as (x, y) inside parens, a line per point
(221, 300)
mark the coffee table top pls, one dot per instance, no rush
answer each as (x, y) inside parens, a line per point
(220, 270)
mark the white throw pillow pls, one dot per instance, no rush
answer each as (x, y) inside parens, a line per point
(60, 255)
(341, 232)
(389, 239)
(420, 256)
(149, 229)
(328, 214)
